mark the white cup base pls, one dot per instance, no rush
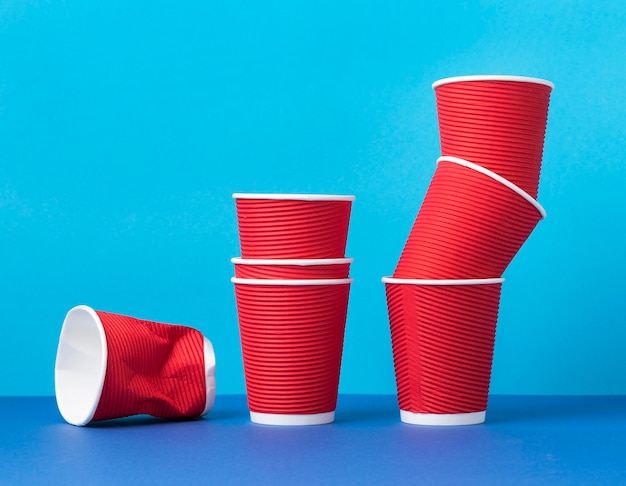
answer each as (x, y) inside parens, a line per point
(209, 376)
(287, 419)
(471, 418)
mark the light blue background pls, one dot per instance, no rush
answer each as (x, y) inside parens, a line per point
(126, 126)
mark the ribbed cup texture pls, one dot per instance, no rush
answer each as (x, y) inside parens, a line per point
(293, 272)
(155, 369)
(284, 229)
(499, 125)
(469, 226)
(292, 341)
(442, 340)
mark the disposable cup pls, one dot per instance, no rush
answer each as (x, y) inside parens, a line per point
(332, 268)
(292, 341)
(471, 224)
(293, 226)
(481, 117)
(443, 335)
(111, 366)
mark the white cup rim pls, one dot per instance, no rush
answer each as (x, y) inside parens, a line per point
(492, 77)
(81, 356)
(467, 281)
(497, 177)
(295, 197)
(258, 281)
(295, 262)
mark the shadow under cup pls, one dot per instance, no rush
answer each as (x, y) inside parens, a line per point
(292, 341)
(443, 334)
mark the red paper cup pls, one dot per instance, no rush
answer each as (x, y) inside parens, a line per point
(443, 334)
(293, 226)
(292, 341)
(292, 269)
(483, 117)
(112, 366)
(471, 224)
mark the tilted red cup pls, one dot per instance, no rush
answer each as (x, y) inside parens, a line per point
(293, 226)
(292, 341)
(498, 122)
(111, 366)
(443, 335)
(471, 224)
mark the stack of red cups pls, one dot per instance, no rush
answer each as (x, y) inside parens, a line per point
(292, 287)
(480, 208)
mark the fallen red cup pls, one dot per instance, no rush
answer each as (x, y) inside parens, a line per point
(483, 117)
(292, 341)
(293, 226)
(112, 366)
(471, 224)
(443, 335)
(303, 269)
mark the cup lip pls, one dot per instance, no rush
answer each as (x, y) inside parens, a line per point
(258, 281)
(295, 197)
(86, 409)
(492, 77)
(497, 177)
(296, 262)
(466, 281)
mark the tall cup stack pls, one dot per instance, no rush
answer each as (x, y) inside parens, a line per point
(292, 288)
(478, 211)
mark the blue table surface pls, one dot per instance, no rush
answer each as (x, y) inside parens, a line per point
(525, 440)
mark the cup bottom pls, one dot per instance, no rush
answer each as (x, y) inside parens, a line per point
(296, 419)
(471, 418)
(209, 376)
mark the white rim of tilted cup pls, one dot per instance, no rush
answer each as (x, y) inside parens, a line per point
(492, 77)
(294, 197)
(497, 177)
(470, 418)
(295, 262)
(81, 365)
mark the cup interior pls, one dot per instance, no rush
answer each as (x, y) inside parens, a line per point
(80, 366)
